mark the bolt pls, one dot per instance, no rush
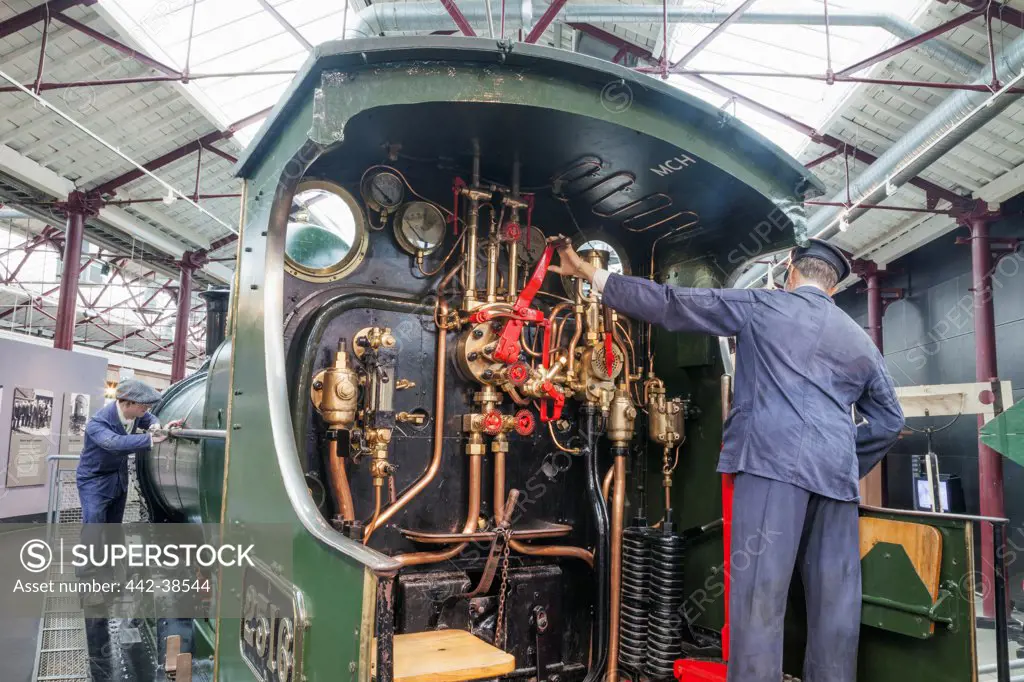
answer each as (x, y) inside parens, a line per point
(478, 333)
(248, 249)
(488, 374)
(254, 286)
(473, 356)
(351, 666)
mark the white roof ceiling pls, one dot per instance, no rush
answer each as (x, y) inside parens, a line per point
(42, 156)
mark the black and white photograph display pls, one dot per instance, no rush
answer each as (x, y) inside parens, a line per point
(74, 417)
(31, 437)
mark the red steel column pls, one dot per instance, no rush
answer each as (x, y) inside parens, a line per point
(180, 350)
(875, 310)
(67, 314)
(990, 463)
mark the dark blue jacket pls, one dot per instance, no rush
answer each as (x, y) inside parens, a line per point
(103, 468)
(801, 364)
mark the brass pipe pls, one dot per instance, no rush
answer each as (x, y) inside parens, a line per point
(435, 459)
(472, 515)
(448, 278)
(618, 509)
(492, 267)
(553, 550)
(472, 220)
(339, 482)
(576, 336)
(554, 439)
(377, 490)
(606, 486)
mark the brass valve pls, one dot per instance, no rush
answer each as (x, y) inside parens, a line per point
(621, 417)
(665, 416)
(335, 390)
(418, 419)
(374, 338)
(377, 441)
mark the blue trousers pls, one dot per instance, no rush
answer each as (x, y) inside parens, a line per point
(777, 527)
(97, 509)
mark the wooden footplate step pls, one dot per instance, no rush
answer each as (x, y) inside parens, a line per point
(448, 656)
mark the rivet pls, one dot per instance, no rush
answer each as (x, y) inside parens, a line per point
(236, 427)
(254, 286)
(248, 249)
(238, 393)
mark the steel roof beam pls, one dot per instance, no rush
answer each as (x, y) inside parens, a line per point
(38, 13)
(545, 20)
(285, 24)
(111, 186)
(908, 44)
(117, 45)
(715, 32)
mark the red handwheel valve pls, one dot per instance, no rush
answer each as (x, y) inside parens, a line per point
(517, 373)
(492, 423)
(525, 422)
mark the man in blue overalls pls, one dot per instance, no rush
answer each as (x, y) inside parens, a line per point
(801, 366)
(116, 431)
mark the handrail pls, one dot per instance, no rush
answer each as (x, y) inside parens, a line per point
(936, 515)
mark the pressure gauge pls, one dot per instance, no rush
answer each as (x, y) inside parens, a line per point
(531, 245)
(419, 227)
(382, 191)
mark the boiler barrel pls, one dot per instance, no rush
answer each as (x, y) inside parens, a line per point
(181, 478)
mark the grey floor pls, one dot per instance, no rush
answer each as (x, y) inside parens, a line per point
(18, 638)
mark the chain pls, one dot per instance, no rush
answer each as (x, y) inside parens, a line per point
(499, 626)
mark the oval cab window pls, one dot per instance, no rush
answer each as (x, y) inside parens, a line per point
(326, 238)
(609, 257)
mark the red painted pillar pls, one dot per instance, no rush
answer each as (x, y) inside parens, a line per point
(990, 463)
(67, 314)
(180, 351)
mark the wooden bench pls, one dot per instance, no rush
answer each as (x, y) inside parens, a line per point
(448, 656)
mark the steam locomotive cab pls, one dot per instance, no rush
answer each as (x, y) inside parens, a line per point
(483, 471)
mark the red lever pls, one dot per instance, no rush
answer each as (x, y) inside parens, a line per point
(609, 355)
(507, 349)
(557, 402)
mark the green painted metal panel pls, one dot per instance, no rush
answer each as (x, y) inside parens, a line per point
(1005, 433)
(947, 656)
(255, 499)
(896, 600)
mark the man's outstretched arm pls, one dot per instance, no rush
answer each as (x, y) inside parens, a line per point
(719, 312)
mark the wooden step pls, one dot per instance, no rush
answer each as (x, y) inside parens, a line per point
(448, 656)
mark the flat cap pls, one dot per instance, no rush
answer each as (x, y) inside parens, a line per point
(822, 250)
(137, 392)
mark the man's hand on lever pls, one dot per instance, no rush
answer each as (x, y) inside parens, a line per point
(569, 262)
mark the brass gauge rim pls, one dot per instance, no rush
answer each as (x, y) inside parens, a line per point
(364, 191)
(403, 240)
(356, 253)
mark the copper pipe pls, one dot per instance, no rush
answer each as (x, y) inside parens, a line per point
(377, 489)
(554, 296)
(339, 482)
(435, 460)
(472, 515)
(525, 346)
(553, 550)
(606, 486)
(618, 509)
(448, 278)
(499, 486)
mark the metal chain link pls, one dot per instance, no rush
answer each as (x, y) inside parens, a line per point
(499, 626)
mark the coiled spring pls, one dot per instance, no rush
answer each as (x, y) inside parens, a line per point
(667, 594)
(635, 609)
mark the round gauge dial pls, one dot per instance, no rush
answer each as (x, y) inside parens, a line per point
(383, 191)
(419, 227)
(531, 244)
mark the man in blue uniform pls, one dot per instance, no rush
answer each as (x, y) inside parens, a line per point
(116, 431)
(802, 365)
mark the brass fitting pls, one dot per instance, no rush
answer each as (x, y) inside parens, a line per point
(374, 338)
(665, 416)
(621, 418)
(335, 390)
(380, 468)
(411, 418)
(403, 384)
(475, 444)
